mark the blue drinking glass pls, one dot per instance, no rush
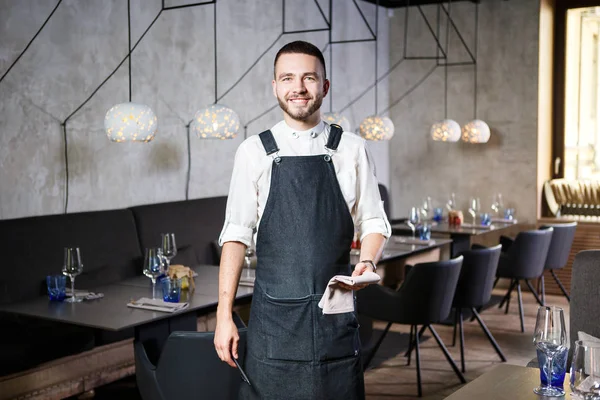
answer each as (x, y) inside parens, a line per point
(438, 214)
(56, 287)
(424, 232)
(486, 219)
(171, 289)
(559, 367)
(509, 214)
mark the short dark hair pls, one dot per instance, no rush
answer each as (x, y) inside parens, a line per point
(301, 47)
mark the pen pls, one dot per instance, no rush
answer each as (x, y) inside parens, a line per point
(244, 377)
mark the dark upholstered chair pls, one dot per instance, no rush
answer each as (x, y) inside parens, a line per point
(474, 290)
(558, 253)
(189, 368)
(524, 260)
(424, 298)
(585, 295)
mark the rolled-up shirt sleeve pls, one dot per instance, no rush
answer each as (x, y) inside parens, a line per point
(369, 216)
(241, 214)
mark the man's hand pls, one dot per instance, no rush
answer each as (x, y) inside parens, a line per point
(226, 340)
(359, 269)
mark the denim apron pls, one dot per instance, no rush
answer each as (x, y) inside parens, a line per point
(294, 352)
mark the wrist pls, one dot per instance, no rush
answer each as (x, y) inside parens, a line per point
(370, 263)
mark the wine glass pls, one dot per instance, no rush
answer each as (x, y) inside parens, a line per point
(451, 204)
(474, 207)
(413, 219)
(168, 247)
(585, 370)
(250, 251)
(427, 207)
(72, 267)
(497, 204)
(550, 337)
(154, 265)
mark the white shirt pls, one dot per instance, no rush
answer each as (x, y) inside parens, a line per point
(251, 180)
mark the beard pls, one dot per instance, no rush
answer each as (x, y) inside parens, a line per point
(300, 114)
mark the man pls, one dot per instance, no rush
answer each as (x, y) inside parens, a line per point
(303, 186)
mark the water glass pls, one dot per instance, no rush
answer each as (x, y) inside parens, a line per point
(486, 220)
(154, 265)
(585, 370)
(559, 368)
(550, 338)
(424, 232)
(413, 219)
(56, 287)
(72, 267)
(171, 289)
(438, 213)
(509, 214)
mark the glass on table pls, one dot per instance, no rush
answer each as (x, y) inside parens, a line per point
(451, 204)
(438, 214)
(550, 338)
(171, 289)
(427, 208)
(424, 231)
(154, 265)
(497, 204)
(585, 370)
(486, 219)
(168, 247)
(509, 214)
(474, 208)
(56, 285)
(413, 219)
(72, 267)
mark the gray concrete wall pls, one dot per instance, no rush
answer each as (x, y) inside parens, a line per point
(172, 72)
(507, 100)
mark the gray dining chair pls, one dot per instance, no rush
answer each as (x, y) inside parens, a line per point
(558, 253)
(189, 368)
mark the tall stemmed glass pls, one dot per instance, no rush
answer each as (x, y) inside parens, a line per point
(474, 207)
(497, 205)
(451, 204)
(168, 246)
(71, 268)
(413, 219)
(154, 265)
(427, 208)
(550, 337)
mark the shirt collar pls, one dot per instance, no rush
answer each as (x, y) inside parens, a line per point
(313, 132)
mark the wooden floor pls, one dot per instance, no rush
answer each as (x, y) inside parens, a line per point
(394, 380)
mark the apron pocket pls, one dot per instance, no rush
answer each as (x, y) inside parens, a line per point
(287, 326)
(337, 336)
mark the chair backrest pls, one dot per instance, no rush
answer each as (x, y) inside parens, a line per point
(189, 368)
(585, 295)
(528, 253)
(428, 290)
(560, 246)
(476, 281)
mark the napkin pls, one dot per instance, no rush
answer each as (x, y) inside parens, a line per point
(412, 240)
(503, 221)
(157, 305)
(84, 294)
(337, 300)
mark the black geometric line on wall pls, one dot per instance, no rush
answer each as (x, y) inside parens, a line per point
(31, 41)
(186, 5)
(409, 91)
(455, 28)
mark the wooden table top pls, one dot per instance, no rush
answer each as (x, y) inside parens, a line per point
(506, 382)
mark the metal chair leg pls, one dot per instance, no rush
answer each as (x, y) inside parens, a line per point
(508, 293)
(455, 323)
(489, 335)
(462, 341)
(448, 357)
(560, 285)
(410, 344)
(379, 341)
(530, 286)
(520, 307)
(418, 357)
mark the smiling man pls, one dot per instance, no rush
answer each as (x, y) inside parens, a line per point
(303, 186)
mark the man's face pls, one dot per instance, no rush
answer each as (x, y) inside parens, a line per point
(299, 85)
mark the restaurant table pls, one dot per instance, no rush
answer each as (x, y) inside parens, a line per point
(461, 235)
(111, 312)
(506, 382)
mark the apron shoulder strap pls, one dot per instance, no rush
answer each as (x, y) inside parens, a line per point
(268, 142)
(335, 135)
